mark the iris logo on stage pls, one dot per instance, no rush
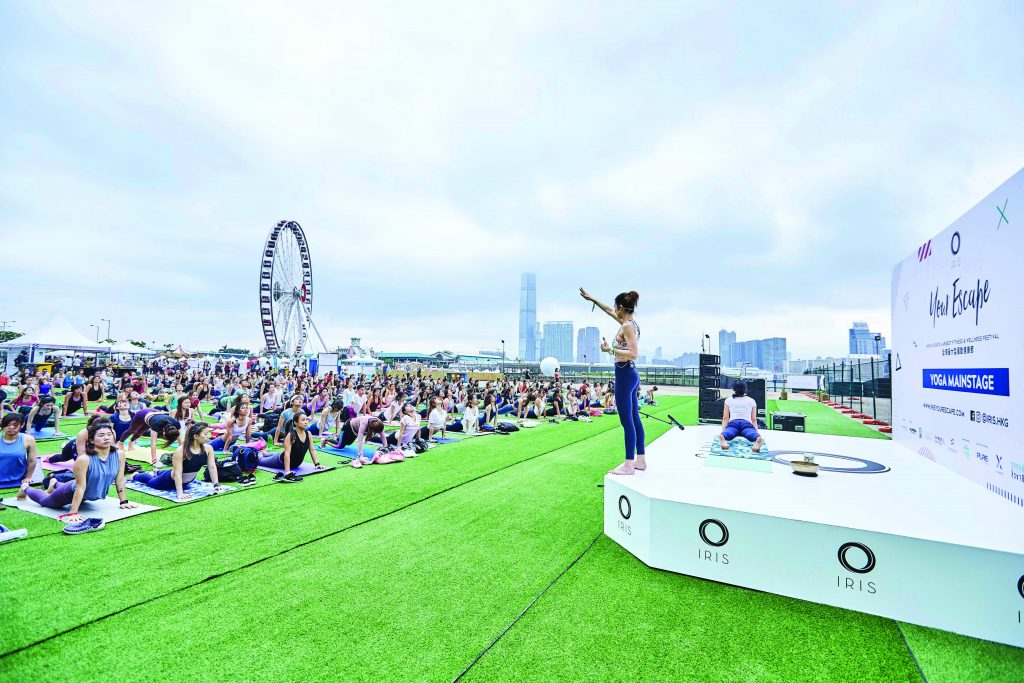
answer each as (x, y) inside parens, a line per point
(868, 565)
(625, 508)
(722, 535)
(852, 563)
(722, 529)
(1020, 586)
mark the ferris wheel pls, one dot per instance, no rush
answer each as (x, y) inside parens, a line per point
(286, 290)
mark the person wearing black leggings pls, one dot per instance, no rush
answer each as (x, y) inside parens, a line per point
(625, 349)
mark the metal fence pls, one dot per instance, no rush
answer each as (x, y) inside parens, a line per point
(583, 372)
(864, 386)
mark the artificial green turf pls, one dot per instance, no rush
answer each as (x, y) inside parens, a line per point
(824, 420)
(243, 527)
(613, 618)
(951, 658)
(420, 591)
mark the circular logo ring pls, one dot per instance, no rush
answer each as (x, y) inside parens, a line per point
(863, 548)
(1020, 586)
(954, 243)
(703, 531)
(868, 466)
(628, 509)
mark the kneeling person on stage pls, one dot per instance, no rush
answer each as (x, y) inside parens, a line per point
(740, 418)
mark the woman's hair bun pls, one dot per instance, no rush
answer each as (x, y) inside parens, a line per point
(627, 300)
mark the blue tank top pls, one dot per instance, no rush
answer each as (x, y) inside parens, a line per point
(13, 461)
(100, 476)
(120, 426)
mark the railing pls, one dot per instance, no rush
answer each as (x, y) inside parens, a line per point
(864, 386)
(593, 372)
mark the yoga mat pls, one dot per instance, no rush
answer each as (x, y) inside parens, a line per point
(739, 448)
(349, 451)
(64, 466)
(12, 484)
(47, 434)
(305, 469)
(440, 440)
(109, 509)
(198, 489)
(142, 455)
(733, 463)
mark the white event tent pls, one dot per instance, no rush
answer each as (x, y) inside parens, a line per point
(57, 334)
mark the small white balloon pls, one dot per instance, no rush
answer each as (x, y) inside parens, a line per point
(549, 365)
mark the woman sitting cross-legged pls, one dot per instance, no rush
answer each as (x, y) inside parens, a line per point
(186, 462)
(297, 444)
(95, 470)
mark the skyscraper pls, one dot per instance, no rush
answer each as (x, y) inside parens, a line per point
(528, 317)
(766, 354)
(557, 340)
(726, 340)
(588, 345)
(862, 340)
(657, 353)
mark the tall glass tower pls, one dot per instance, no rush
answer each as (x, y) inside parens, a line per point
(528, 317)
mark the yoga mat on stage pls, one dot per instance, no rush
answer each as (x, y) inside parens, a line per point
(734, 463)
(109, 509)
(739, 448)
(198, 489)
(303, 470)
(349, 451)
(64, 466)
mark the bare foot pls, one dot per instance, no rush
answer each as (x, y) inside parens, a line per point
(757, 444)
(640, 463)
(625, 468)
(723, 444)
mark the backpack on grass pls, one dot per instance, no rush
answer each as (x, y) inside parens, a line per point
(227, 470)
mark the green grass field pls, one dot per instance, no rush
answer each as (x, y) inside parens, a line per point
(483, 559)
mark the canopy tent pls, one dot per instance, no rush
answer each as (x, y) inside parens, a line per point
(56, 334)
(128, 348)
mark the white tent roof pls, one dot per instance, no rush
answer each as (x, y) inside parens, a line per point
(128, 348)
(58, 334)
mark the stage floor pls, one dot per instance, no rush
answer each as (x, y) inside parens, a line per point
(915, 497)
(880, 530)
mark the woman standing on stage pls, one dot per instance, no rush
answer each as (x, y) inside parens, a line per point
(625, 349)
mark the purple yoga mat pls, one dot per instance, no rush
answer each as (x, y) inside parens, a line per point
(64, 466)
(304, 469)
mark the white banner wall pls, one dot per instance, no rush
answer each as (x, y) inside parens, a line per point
(958, 345)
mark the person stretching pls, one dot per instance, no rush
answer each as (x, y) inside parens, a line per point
(158, 424)
(186, 462)
(740, 418)
(297, 444)
(437, 421)
(627, 379)
(409, 429)
(358, 430)
(95, 470)
(75, 401)
(238, 425)
(471, 417)
(40, 414)
(17, 451)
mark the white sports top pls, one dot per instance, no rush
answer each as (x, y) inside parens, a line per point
(742, 408)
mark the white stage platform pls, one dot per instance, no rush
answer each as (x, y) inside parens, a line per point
(873, 538)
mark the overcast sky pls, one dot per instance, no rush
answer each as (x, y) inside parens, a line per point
(740, 165)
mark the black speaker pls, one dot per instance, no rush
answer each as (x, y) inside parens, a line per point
(710, 411)
(709, 395)
(709, 371)
(709, 382)
(710, 359)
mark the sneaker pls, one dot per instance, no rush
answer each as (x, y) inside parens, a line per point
(290, 478)
(279, 476)
(355, 463)
(247, 480)
(85, 526)
(365, 460)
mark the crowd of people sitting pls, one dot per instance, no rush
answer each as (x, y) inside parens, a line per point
(250, 413)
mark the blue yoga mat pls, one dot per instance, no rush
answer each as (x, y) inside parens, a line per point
(440, 440)
(740, 448)
(349, 451)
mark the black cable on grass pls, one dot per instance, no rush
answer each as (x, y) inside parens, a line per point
(527, 608)
(141, 603)
(911, 651)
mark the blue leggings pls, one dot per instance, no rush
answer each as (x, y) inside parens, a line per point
(627, 381)
(161, 481)
(740, 428)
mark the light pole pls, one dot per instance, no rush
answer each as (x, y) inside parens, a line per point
(108, 326)
(503, 357)
(5, 323)
(97, 332)
(878, 338)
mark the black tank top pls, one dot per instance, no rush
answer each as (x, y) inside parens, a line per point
(299, 449)
(94, 394)
(193, 462)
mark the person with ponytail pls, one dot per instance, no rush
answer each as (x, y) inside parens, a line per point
(186, 462)
(297, 444)
(95, 470)
(625, 349)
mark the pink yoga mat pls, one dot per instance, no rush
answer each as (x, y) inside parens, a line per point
(65, 466)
